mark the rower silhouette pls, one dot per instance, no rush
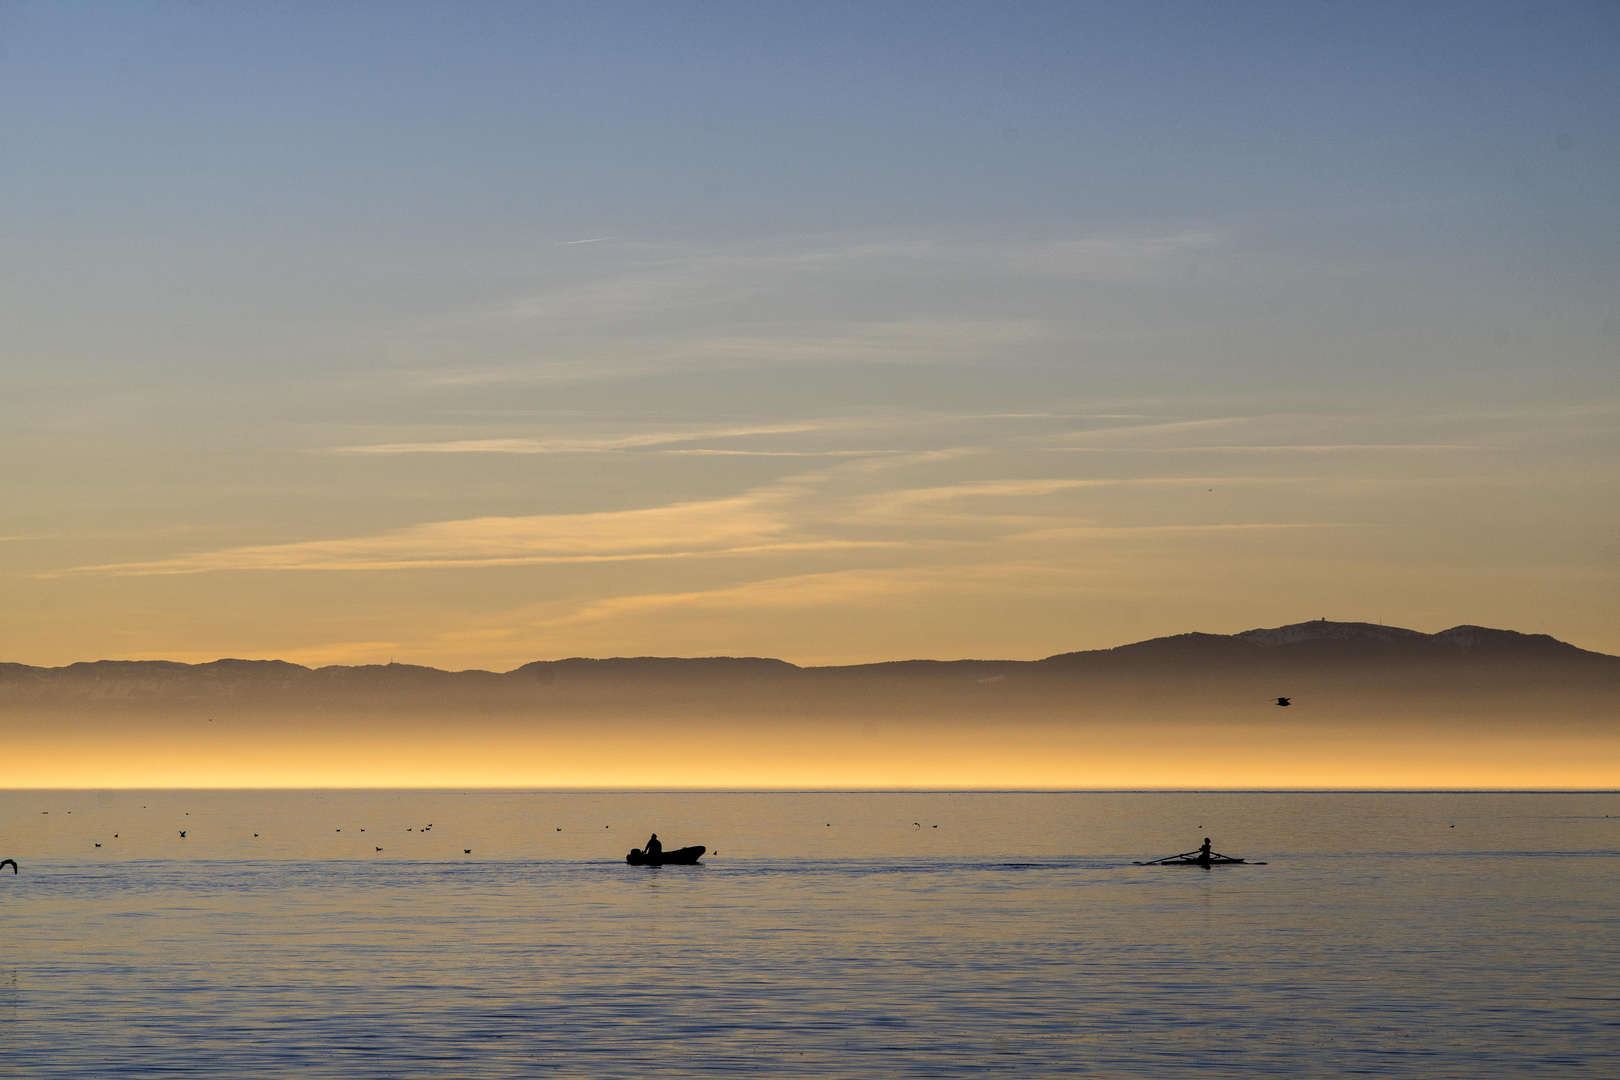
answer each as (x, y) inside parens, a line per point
(653, 848)
(1201, 855)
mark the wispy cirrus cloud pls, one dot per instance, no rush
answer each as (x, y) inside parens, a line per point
(1281, 448)
(599, 444)
(747, 523)
(608, 312)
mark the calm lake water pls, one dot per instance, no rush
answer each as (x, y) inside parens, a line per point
(833, 935)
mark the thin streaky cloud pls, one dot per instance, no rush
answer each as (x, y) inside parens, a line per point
(905, 497)
(825, 589)
(1302, 449)
(1071, 531)
(180, 567)
(719, 524)
(1065, 416)
(574, 446)
(783, 454)
(592, 240)
(1151, 429)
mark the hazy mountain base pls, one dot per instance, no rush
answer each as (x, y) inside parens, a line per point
(1373, 707)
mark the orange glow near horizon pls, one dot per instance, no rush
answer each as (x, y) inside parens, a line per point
(834, 757)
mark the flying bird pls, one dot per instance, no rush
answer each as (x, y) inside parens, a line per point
(1283, 701)
(182, 834)
(9, 862)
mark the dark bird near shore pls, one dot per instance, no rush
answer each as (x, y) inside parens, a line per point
(466, 851)
(98, 845)
(379, 849)
(9, 862)
(1283, 701)
(182, 834)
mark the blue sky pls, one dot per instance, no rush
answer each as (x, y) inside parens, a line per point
(450, 122)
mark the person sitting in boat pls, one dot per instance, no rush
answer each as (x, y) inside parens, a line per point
(1203, 849)
(653, 848)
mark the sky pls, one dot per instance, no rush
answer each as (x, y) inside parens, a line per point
(474, 334)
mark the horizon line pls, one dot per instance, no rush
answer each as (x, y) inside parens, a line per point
(631, 790)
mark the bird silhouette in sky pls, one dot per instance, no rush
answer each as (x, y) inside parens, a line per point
(1283, 701)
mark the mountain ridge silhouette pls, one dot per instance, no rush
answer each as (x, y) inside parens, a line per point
(1319, 647)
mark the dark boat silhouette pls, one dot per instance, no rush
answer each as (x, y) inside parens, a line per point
(1199, 857)
(686, 856)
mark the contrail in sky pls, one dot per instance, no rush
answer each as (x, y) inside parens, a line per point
(592, 240)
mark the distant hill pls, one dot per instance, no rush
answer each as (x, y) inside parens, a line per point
(1322, 644)
(1279, 660)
